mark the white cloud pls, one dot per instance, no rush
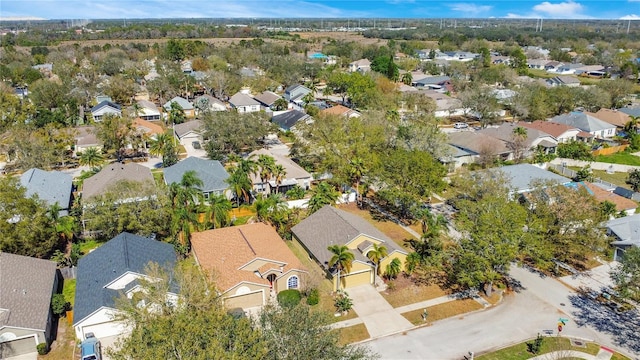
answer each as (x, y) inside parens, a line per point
(630, 17)
(470, 8)
(564, 10)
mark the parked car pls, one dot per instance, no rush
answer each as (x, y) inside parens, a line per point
(196, 145)
(90, 348)
(460, 125)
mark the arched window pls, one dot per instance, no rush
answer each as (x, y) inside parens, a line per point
(243, 290)
(292, 282)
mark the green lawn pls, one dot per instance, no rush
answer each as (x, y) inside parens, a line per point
(158, 177)
(69, 290)
(88, 245)
(617, 178)
(623, 158)
(519, 351)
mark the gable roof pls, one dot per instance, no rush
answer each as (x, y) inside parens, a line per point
(613, 117)
(112, 174)
(293, 170)
(184, 103)
(477, 142)
(182, 129)
(227, 253)
(210, 100)
(331, 226)
(288, 119)
(240, 99)
(523, 176)
(50, 186)
(554, 129)
(627, 229)
(602, 195)
(504, 132)
(582, 121)
(293, 87)
(124, 253)
(147, 127)
(631, 110)
(339, 110)
(87, 136)
(146, 104)
(26, 287)
(267, 98)
(432, 80)
(211, 172)
(105, 103)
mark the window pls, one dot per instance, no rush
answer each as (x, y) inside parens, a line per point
(292, 282)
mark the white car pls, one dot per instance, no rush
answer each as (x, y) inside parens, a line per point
(460, 125)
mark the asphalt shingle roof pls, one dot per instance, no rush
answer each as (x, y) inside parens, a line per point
(523, 176)
(184, 103)
(181, 129)
(627, 229)
(331, 226)
(112, 174)
(124, 253)
(103, 104)
(240, 99)
(26, 287)
(267, 98)
(288, 119)
(50, 186)
(582, 121)
(211, 172)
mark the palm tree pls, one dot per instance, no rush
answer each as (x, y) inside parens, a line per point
(186, 193)
(356, 172)
(393, 269)
(407, 78)
(518, 142)
(308, 98)
(632, 125)
(342, 259)
(157, 146)
(279, 174)
(218, 211)
(280, 104)
(323, 194)
(240, 184)
(91, 157)
(266, 164)
(376, 254)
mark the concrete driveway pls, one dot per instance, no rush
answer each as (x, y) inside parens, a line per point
(595, 279)
(376, 313)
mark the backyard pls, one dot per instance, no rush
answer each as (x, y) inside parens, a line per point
(394, 231)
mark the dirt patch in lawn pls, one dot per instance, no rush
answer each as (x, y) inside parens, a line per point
(443, 311)
(389, 228)
(65, 344)
(353, 334)
(406, 292)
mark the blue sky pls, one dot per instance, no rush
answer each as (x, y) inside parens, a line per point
(118, 9)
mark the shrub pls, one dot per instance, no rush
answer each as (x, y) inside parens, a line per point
(59, 305)
(314, 297)
(343, 302)
(534, 346)
(42, 348)
(289, 298)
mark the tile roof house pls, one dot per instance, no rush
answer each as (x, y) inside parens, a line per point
(148, 111)
(561, 132)
(107, 273)
(341, 110)
(53, 187)
(586, 123)
(613, 117)
(26, 287)
(188, 132)
(267, 98)
(623, 205)
(625, 232)
(295, 174)
(211, 172)
(286, 120)
(113, 173)
(208, 102)
(331, 226)
(106, 107)
(244, 103)
(186, 105)
(250, 263)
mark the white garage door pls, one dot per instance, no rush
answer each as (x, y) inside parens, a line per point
(104, 329)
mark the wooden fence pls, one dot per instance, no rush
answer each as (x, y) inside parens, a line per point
(610, 150)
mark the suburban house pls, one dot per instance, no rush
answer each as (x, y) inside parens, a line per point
(105, 107)
(341, 110)
(587, 123)
(462, 56)
(537, 63)
(187, 107)
(295, 175)
(147, 129)
(286, 120)
(112, 174)
(188, 132)
(295, 93)
(623, 205)
(631, 110)
(624, 232)
(456, 158)
(53, 187)
(362, 65)
(208, 103)
(250, 263)
(561, 132)
(524, 177)
(446, 105)
(110, 271)
(331, 226)
(569, 81)
(613, 117)
(148, 111)
(86, 138)
(211, 172)
(26, 287)
(534, 138)
(441, 83)
(267, 99)
(244, 103)
(478, 145)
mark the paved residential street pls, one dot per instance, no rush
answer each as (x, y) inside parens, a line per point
(535, 308)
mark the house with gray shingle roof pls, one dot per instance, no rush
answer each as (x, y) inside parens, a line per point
(211, 172)
(112, 174)
(286, 120)
(185, 104)
(105, 107)
(188, 132)
(244, 103)
(631, 110)
(109, 272)
(267, 98)
(625, 232)
(26, 287)
(524, 177)
(586, 123)
(332, 226)
(53, 187)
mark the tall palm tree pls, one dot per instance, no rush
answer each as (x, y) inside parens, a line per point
(342, 259)
(407, 78)
(218, 211)
(240, 185)
(376, 254)
(186, 194)
(279, 174)
(266, 164)
(632, 125)
(91, 157)
(323, 194)
(356, 172)
(157, 146)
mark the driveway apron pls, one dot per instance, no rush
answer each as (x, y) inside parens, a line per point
(376, 313)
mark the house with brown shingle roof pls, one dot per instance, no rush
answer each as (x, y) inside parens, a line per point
(623, 204)
(561, 132)
(332, 226)
(249, 263)
(147, 128)
(341, 110)
(113, 173)
(613, 117)
(294, 174)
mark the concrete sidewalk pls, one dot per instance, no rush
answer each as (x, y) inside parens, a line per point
(376, 313)
(426, 303)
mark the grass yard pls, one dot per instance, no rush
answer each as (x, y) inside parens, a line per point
(519, 351)
(158, 177)
(88, 245)
(64, 347)
(623, 158)
(389, 228)
(353, 334)
(493, 299)
(617, 178)
(69, 290)
(443, 311)
(242, 220)
(406, 292)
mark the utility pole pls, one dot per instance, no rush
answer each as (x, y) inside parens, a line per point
(628, 26)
